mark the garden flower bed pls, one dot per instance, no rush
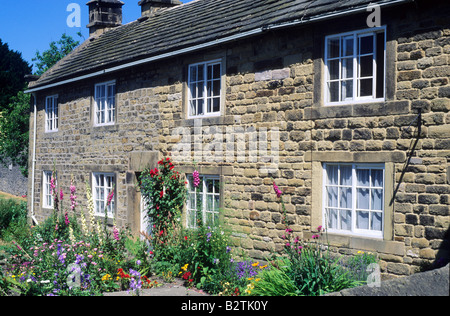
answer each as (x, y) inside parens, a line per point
(65, 257)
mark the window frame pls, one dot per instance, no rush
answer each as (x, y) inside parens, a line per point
(205, 89)
(356, 56)
(46, 189)
(51, 114)
(108, 189)
(354, 231)
(108, 103)
(215, 213)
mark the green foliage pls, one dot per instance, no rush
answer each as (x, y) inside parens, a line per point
(357, 265)
(313, 270)
(55, 53)
(274, 281)
(13, 69)
(14, 131)
(12, 215)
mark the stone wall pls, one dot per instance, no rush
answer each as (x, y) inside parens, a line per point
(268, 95)
(12, 181)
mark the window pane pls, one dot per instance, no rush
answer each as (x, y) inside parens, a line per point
(362, 220)
(333, 69)
(365, 87)
(362, 176)
(199, 107)
(366, 45)
(346, 197)
(376, 221)
(347, 49)
(209, 203)
(377, 199)
(332, 193)
(347, 68)
(333, 47)
(366, 66)
(333, 91)
(216, 203)
(380, 65)
(346, 175)
(209, 88)
(362, 199)
(377, 178)
(216, 71)
(193, 90)
(193, 73)
(210, 185)
(347, 89)
(216, 105)
(345, 219)
(332, 174)
(216, 88)
(332, 218)
(200, 72)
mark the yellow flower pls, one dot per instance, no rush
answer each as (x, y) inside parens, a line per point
(263, 267)
(184, 268)
(255, 264)
(107, 277)
(249, 279)
(258, 279)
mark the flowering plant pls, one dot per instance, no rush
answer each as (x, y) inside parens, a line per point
(164, 191)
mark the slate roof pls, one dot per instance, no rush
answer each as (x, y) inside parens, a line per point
(187, 25)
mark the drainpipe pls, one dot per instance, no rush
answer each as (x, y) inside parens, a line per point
(33, 162)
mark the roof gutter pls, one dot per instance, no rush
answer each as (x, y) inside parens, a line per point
(216, 42)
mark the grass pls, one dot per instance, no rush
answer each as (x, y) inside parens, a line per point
(7, 196)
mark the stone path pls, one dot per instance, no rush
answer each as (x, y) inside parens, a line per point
(166, 289)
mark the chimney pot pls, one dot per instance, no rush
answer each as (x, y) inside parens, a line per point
(104, 15)
(148, 7)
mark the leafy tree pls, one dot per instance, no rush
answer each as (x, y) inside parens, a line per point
(57, 51)
(15, 109)
(14, 131)
(12, 74)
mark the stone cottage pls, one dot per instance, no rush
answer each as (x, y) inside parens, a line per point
(343, 104)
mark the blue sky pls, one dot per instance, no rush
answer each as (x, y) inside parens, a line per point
(30, 25)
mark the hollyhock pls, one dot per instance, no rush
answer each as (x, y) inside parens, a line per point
(196, 177)
(110, 197)
(277, 190)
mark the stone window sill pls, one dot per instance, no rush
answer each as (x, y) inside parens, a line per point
(357, 110)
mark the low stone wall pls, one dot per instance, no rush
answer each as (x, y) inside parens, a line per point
(430, 283)
(12, 181)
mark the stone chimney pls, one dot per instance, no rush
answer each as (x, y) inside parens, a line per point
(104, 15)
(148, 7)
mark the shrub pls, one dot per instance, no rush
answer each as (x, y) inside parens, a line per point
(164, 191)
(274, 281)
(12, 213)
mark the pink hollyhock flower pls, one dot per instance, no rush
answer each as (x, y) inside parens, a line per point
(277, 190)
(110, 197)
(66, 219)
(196, 177)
